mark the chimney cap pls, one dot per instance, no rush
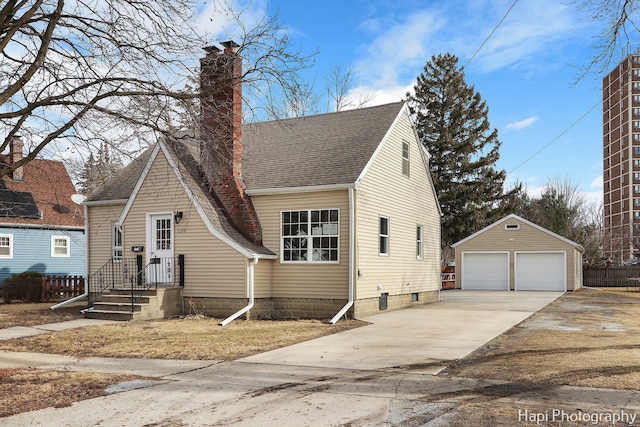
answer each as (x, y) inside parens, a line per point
(230, 45)
(212, 49)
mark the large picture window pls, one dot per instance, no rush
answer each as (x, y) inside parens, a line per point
(310, 236)
(6, 245)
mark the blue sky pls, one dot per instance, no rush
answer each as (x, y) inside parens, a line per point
(549, 120)
(526, 72)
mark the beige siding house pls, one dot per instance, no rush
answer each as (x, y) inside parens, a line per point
(323, 216)
(516, 254)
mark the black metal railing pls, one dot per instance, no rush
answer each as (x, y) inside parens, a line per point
(131, 274)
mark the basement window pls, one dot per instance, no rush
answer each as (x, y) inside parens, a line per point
(512, 227)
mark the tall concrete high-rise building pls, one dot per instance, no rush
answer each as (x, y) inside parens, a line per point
(621, 159)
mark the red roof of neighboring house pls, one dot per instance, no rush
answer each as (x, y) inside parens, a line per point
(50, 185)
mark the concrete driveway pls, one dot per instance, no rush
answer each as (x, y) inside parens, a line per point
(424, 337)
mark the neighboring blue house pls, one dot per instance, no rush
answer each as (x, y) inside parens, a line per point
(41, 228)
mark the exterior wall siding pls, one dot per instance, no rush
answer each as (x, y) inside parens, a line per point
(32, 252)
(306, 280)
(100, 221)
(212, 268)
(407, 202)
(525, 239)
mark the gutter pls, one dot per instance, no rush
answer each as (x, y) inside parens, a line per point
(352, 245)
(249, 306)
(86, 266)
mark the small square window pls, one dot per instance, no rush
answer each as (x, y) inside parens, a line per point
(60, 246)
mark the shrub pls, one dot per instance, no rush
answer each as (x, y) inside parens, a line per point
(24, 287)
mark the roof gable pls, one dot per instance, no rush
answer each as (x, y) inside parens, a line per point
(518, 218)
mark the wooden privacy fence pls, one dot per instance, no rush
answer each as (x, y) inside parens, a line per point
(610, 276)
(61, 287)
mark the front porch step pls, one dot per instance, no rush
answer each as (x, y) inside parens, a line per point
(115, 304)
(108, 315)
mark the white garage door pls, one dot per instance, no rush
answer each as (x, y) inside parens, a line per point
(485, 271)
(545, 271)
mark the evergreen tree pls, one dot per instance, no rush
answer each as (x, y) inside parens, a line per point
(97, 171)
(452, 123)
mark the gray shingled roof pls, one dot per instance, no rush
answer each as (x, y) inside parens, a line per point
(122, 184)
(324, 149)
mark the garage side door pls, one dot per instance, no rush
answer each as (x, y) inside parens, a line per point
(540, 271)
(485, 271)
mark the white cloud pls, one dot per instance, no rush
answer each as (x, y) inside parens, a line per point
(597, 183)
(521, 124)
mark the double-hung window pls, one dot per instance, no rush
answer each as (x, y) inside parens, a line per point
(60, 246)
(6, 245)
(419, 242)
(311, 236)
(116, 242)
(383, 236)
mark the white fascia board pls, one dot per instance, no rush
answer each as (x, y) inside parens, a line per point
(43, 226)
(233, 244)
(136, 189)
(297, 190)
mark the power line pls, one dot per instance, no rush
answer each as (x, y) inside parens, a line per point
(490, 34)
(557, 137)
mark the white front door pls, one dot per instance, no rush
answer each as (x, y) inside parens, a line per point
(160, 255)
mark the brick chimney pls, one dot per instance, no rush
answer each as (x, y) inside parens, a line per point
(15, 153)
(221, 137)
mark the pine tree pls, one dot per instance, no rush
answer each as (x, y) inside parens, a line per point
(97, 171)
(452, 123)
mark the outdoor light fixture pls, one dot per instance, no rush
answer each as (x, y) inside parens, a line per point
(177, 216)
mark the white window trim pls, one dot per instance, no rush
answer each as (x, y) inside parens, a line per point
(310, 237)
(115, 248)
(387, 236)
(406, 160)
(419, 241)
(10, 256)
(53, 246)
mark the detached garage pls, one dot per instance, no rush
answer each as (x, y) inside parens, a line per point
(516, 254)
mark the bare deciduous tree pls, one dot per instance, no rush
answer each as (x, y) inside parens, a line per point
(339, 83)
(619, 36)
(86, 72)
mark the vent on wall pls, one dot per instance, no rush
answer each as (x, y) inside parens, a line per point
(512, 226)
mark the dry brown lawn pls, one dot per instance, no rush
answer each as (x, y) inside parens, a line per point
(191, 337)
(587, 338)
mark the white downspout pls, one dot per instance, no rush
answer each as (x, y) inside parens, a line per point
(249, 306)
(86, 266)
(352, 256)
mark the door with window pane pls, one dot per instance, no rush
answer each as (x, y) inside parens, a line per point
(160, 261)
